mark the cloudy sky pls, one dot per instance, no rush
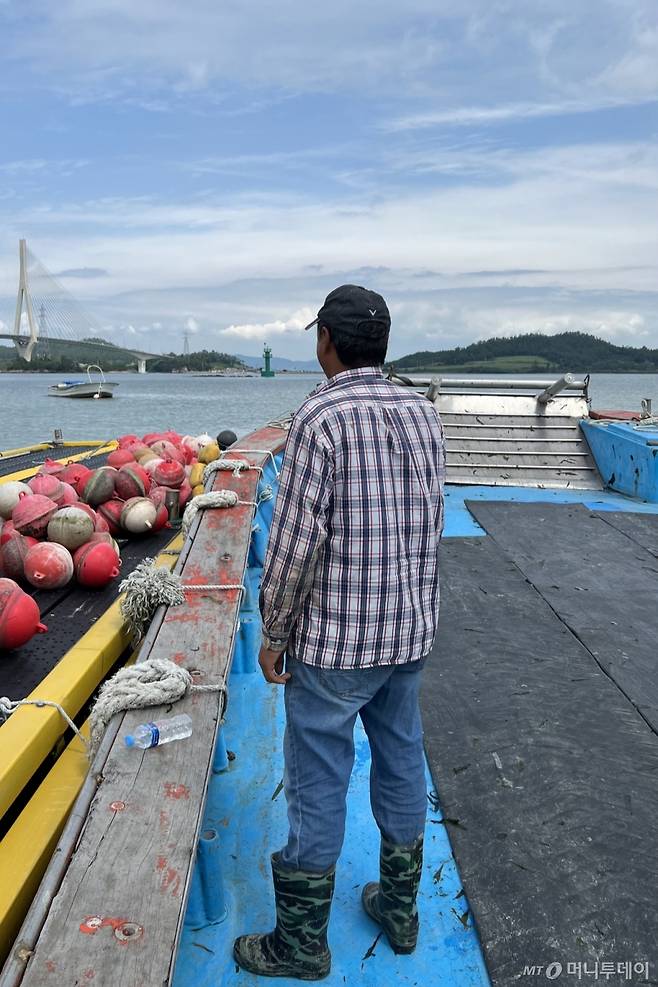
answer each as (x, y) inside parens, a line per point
(490, 166)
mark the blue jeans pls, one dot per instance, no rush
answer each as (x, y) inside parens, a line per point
(321, 710)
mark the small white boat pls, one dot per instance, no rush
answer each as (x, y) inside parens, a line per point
(84, 388)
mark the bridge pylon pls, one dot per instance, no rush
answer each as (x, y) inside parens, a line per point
(24, 344)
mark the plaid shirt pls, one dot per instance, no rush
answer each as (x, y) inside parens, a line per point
(351, 573)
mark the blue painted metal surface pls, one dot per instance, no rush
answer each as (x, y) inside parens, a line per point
(625, 456)
(459, 522)
(245, 821)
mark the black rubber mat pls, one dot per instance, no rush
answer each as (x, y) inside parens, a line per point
(640, 528)
(546, 776)
(68, 614)
(599, 581)
(31, 459)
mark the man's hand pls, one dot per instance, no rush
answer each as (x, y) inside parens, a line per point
(271, 663)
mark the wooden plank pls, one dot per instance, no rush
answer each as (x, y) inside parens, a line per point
(118, 914)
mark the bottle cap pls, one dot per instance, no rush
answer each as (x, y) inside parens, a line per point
(129, 740)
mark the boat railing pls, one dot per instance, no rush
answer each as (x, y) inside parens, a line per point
(133, 855)
(513, 431)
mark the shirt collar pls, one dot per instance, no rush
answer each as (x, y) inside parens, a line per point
(358, 375)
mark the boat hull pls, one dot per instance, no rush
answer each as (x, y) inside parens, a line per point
(82, 391)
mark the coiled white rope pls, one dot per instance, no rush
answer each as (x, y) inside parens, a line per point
(154, 682)
(235, 465)
(8, 706)
(149, 586)
(216, 498)
(261, 452)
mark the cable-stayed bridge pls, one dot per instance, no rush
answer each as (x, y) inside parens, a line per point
(46, 311)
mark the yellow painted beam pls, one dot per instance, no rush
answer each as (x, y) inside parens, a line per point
(80, 457)
(41, 446)
(29, 843)
(24, 450)
(30, 733)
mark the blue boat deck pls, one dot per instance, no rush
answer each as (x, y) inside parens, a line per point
(246, 808)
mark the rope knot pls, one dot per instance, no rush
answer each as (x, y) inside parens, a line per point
(146, 588)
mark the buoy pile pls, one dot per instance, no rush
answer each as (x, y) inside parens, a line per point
(62, 523)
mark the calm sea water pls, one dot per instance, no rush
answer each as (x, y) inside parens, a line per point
(151, 402)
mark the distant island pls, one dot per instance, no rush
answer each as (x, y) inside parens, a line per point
(72, 357)
(533, 353)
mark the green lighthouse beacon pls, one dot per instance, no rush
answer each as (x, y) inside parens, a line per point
(267, 371)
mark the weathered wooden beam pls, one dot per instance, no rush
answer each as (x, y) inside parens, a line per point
(118, 914)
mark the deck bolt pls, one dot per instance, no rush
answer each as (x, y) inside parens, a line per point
(129, 930)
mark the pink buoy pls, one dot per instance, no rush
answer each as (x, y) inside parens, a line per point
(48, 565)
(48, 485)
(152, 437)
(32, 514)
(158, 495)
(96, 564)
(166, 450)
(150, 465)
(19, 616)
(69, 496)
(50, 468)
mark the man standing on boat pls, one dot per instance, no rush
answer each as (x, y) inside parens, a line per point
(350, 594)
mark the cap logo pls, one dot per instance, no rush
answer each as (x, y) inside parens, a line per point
(373, 312)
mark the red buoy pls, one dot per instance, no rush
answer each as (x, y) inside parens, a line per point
(32, 514)
(48, 565)
(184, 493)
(169, 473)
(100, 486)
(161, 517)
(76, 474)
(132, 481)
(13, 554)
(119, 458)
(110, 511)
(96, 564)
(8, 530)
(126, 440)
(19, 616)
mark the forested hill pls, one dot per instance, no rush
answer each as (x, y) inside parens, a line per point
(531, 353)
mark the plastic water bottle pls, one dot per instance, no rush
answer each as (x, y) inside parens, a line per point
(160, 732)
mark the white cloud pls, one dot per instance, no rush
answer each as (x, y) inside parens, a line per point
(192, 325)
(502, 113)
(423, 48)
(263, 330)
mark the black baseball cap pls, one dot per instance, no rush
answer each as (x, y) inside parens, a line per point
(356, 311)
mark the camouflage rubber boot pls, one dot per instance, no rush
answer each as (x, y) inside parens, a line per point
(392, 902)
(298, 945)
